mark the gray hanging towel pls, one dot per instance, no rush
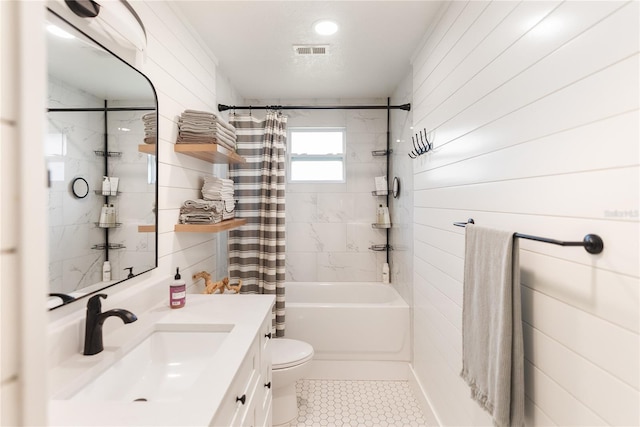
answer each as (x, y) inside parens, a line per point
(492, 347)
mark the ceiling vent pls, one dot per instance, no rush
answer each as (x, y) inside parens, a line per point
(305, 50)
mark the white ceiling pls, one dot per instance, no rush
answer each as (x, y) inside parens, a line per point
(368, 56)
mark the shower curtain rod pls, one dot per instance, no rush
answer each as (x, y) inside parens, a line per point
(406, 107)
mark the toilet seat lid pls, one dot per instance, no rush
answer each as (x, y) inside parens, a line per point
(286, 352)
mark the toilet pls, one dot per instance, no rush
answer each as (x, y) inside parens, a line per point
(290, 362)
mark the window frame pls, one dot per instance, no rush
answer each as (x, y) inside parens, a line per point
(318, 157)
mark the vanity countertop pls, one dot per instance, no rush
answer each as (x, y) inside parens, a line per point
(198, 406)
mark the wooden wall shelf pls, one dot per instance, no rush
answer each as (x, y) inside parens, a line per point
(212, 153)
(147, 149)
(210, 228)
(146, 228)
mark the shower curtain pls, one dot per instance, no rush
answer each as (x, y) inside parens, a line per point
(257, 249)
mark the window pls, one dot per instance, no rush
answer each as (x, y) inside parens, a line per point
(316, 154)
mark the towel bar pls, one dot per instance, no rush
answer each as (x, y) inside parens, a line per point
(592, 243)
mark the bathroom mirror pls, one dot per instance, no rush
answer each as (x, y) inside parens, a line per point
(395, 190)
(100, 123)
(80, 188)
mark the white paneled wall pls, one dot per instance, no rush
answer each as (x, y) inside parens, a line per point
(9, 312)
(183, 73)
(22, 200)
(185, 76)
(533, 108)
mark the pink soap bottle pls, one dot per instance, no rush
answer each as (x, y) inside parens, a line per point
(177, 291)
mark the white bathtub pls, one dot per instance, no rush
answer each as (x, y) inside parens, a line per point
(349, 320)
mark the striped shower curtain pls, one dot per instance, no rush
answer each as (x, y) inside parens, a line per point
(257, 249)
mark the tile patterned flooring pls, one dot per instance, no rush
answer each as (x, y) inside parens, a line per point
(357, 403)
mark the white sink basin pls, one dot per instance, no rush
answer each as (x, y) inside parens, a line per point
(162, 368)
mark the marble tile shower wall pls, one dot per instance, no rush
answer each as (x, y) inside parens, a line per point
(70, 144)
(329, 225)
(71, 135)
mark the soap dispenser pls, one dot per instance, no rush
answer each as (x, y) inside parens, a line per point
(106, 271)
(177, 291)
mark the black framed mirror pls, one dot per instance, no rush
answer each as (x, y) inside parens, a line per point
(80, 188)
(100, 123)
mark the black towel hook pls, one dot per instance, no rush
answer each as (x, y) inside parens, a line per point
(419, 145)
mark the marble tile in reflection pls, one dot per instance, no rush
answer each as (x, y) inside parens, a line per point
(83, 271)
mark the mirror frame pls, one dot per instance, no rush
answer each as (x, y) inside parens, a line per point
(80, 187)
(94, 288)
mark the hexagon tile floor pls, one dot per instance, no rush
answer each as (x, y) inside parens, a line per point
(357, 403)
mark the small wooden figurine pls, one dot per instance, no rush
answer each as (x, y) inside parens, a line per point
(211, 286)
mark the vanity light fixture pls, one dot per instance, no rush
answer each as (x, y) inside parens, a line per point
(114, 18)
(325, 27)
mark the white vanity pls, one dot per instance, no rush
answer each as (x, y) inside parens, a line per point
(208, 363)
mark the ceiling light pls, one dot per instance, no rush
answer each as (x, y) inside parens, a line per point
(325, 28)
(57, 31)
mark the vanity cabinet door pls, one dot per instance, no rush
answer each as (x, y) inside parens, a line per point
(248, 399)
(245, 410)
(264, 392)
(238, 400)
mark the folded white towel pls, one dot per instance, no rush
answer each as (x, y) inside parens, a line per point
(492, 347)
(205, 205)
(206, 115)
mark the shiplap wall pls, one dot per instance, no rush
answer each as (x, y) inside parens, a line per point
(22, 201)
(10, 380)
(533, 109)
(9, 294)
(183, 73)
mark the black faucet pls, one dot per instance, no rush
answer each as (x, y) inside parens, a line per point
(95, 319)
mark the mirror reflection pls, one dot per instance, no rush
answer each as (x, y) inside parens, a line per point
(101, 130)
